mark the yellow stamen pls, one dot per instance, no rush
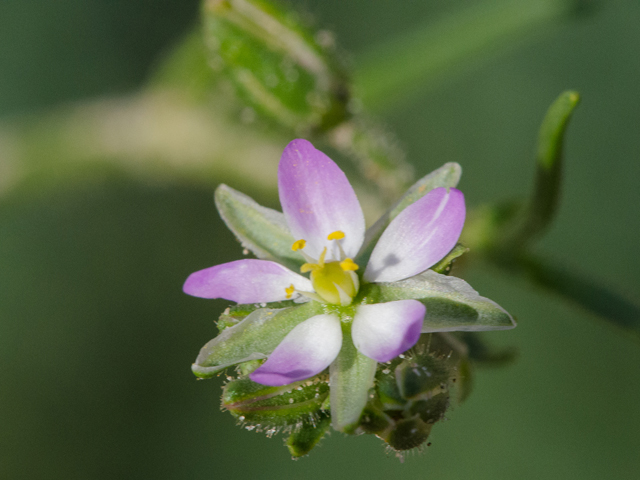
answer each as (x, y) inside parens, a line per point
(290, 290)
(322, 255)
(337, 235)
(308, 267)
(298, 245)
(349, 265)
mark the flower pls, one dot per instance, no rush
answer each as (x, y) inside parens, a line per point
(325, 217)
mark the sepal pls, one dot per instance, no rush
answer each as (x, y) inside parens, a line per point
(272, 409)
(253, 338)
(447, 176)
(452, 305)
(303, 439)
(262, 230)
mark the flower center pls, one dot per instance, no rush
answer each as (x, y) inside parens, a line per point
(335, 281)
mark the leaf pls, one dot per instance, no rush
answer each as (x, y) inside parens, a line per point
(351, 377)
(534, 219)
(253, 338)
(262, 230)
(452, 305)
(447, 175)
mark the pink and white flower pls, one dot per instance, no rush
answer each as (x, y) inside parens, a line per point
(325, 217)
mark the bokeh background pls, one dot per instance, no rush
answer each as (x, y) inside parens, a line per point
(96, 337)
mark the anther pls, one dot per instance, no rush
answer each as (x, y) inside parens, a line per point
(290, 289)
(298, 245)
(337, 235)
(349, 265)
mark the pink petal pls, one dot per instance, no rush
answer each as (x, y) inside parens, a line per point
(245, 281)
(383, 331)
(306, 351)
(317, 199)
(420, 236)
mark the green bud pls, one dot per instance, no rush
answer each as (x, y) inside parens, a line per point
(277, 65)
(270, 409)
(413, 393)
(408, 433)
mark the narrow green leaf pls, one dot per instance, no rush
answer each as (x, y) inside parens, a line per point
(452, 305)
(447, 175)
(351, 377)
(253, 338)
(389, 74)
(260, 229)
(588, 294)
(544, 202)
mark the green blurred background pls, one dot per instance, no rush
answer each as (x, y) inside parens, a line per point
(96, 337)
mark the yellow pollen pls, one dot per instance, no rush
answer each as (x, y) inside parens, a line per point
(290, 290)
(298, 245)
(349, 265)
(337, 235)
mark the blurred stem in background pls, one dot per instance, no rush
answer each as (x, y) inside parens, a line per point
(186, 127)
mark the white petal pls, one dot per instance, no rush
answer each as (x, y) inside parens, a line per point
(306, 351)
(383, 331)
(420, 236)
(317, 200)
(245, 281)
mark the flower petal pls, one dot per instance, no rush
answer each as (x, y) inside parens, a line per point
(245, 281)
(307, 350)
(383, 331)
(317, 200)
(418, 237)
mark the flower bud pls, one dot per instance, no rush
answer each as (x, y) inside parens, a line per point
(413, 393)
(277, 65)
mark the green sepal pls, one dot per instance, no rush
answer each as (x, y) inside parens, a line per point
(253, 338)
(289, 405)
(307, 436)
(236, 313)
(276, 64)
(351, 378)
(262, 230)
(452, 305)
(447, 176)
